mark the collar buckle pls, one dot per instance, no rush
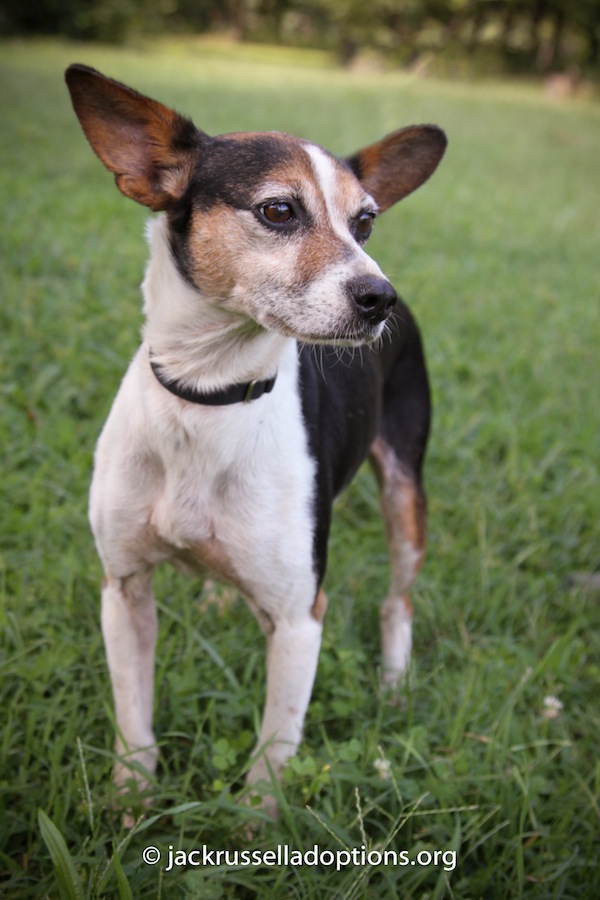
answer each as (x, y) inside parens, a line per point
(250, 391)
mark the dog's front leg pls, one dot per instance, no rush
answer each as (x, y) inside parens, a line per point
(129, 627)
(293, 653)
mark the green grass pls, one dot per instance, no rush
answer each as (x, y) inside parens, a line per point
(498, 257)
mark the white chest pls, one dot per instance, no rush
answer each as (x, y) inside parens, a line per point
(238, 490)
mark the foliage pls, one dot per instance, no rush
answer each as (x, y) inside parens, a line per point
(498, 258)
(542, 34)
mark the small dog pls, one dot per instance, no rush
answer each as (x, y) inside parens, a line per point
(231, 435)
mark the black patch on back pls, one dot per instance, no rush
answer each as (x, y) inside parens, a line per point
(350, 396)
(341, 396)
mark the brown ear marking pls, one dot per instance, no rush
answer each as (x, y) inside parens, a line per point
(400, 163)
(149, 147)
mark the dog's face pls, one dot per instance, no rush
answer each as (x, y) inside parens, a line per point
(270, 226)
(275, 228)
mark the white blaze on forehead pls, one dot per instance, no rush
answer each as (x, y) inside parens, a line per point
(332, 190)
(341, 203)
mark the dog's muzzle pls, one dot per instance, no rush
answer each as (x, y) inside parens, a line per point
(373, 298)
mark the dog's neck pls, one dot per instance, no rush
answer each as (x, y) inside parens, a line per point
(193, 338)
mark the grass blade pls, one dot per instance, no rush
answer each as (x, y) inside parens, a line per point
(122, 882)
(66, 874)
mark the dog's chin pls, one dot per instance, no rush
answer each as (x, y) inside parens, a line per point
(354, 335)
(340, 341)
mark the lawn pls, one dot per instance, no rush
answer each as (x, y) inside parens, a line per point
(498, 257)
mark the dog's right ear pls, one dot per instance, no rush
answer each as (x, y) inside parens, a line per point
(149, 148)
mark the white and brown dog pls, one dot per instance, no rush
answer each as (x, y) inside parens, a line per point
(230, 435)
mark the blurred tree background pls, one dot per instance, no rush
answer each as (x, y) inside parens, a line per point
(512, 35)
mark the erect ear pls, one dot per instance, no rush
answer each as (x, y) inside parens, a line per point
(400, 163)
(149, 147)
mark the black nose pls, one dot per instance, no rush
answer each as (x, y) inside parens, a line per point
(374, 297)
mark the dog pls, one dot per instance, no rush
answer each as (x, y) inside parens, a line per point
(248, 408)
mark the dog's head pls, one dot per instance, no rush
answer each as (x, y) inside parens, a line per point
(268, 225)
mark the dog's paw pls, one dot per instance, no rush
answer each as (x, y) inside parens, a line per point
(261, 809)
(393, 686)
(133, 784)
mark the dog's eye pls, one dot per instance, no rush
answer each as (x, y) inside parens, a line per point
(363, 226)
(277, 212)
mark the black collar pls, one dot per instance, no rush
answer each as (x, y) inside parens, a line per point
(235, 393)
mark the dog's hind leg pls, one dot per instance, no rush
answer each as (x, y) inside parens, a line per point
(129, 626)
(397, 457)
(403, 507)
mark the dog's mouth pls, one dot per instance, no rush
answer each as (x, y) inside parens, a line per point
(353, 335)
(354, 338)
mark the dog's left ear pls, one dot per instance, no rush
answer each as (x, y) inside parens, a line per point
(400, 163)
